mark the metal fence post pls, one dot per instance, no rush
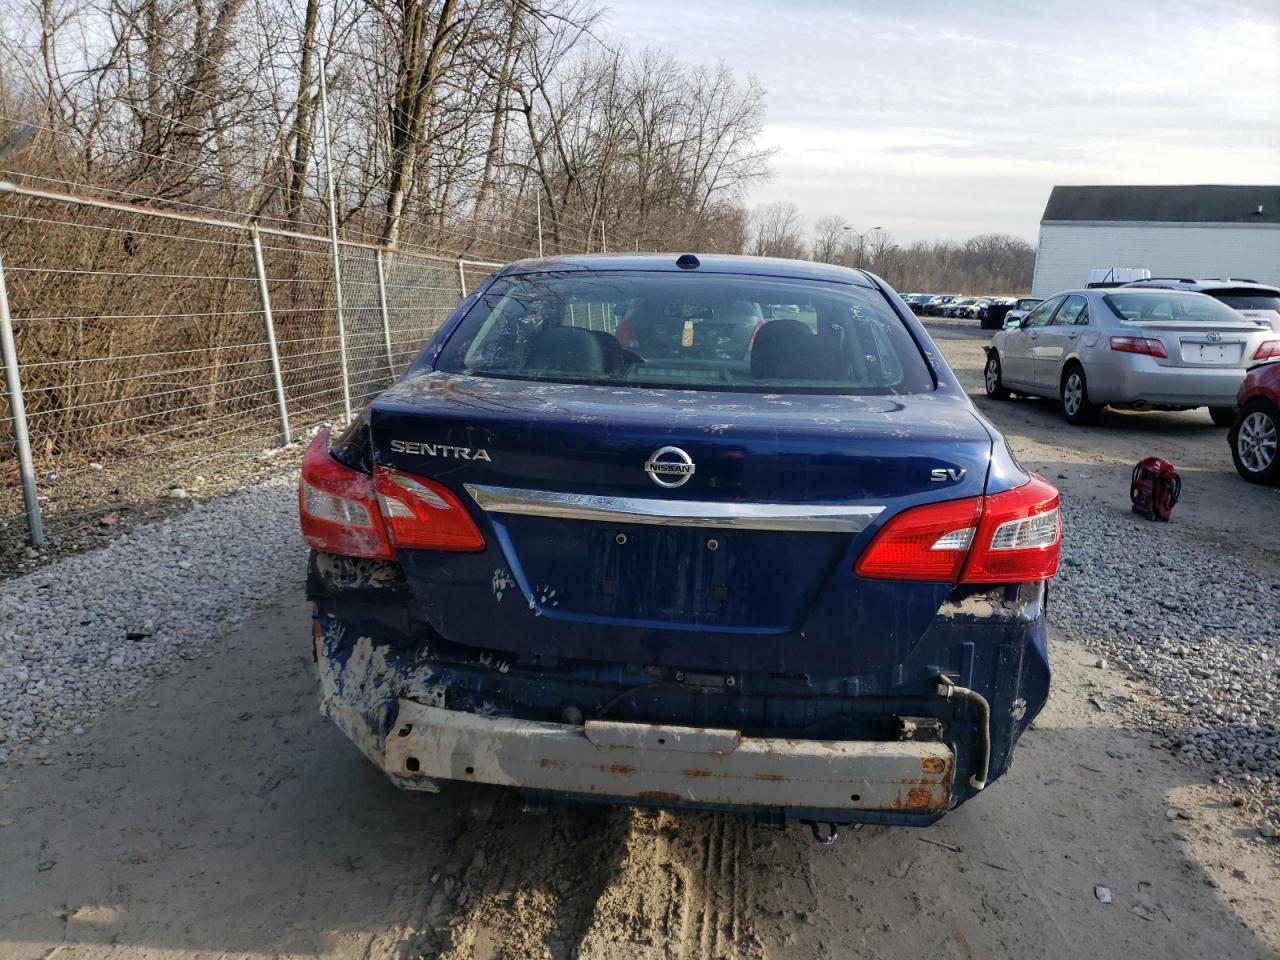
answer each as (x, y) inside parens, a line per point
(386, 316)
(462, 280)
(333, 239)
(18, 415)
(539, 198)
(270, 324)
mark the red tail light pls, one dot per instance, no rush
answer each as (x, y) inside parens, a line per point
(338, 506)
(1268, 349)
(423, 515)
(626, 333)
(1146, 345)
(352, 514)
(1008, 537)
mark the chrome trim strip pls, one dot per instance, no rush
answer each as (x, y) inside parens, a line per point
(792, 517)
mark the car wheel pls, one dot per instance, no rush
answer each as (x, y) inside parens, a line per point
(996, 389)
(1255, 442)
(1074, 394)
(1223, 416)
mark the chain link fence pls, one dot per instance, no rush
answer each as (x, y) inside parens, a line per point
(148, 351)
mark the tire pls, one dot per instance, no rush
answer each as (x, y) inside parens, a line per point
(1074, 394)
(1223, 416)
(1255, 442)
(996, 389)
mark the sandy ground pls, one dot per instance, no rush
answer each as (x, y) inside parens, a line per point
(220, 817)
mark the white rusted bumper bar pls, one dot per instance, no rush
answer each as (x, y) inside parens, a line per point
(666, 764)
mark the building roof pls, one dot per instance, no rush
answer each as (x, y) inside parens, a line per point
(1202, 203)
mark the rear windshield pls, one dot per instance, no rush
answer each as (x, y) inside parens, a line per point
(690, 331)
(1170, 305)
(1247, 299)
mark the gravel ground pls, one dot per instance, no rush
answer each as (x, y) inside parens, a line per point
(1200, 627)
(84, 510)
(95, 628)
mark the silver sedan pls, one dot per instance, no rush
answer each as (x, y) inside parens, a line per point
(1126, 347)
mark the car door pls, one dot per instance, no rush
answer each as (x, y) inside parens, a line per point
(1018, 362)
(1056, 339)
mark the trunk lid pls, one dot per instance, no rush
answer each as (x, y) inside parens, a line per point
(1227, 343)
(746, 564)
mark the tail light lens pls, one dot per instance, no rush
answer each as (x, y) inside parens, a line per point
(1144, 345)
(923, 543)
(1268, 350)
(338, 506)
(626, 333)
(1009, 537)
(352, 514)
(423, 515)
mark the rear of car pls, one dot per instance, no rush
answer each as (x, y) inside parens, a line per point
(1174, 349)
(647, 560)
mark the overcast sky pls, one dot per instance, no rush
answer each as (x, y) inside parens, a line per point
(950, 119)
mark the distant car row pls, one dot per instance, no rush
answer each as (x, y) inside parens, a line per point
(990, 310)
(1157, 344)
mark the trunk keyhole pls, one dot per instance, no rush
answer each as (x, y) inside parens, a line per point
(713, 544)
(620, 539)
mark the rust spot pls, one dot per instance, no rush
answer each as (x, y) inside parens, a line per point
(933, 765)
(918, 798)
(621, 769)
(550, 763)
(695, 772)
(661, 795)
(771, 777)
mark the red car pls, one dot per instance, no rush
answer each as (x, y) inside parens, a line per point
(1255, 434)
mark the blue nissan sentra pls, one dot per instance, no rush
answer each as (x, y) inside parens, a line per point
(701, 532)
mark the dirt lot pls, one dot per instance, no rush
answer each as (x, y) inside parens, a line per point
(220, 817)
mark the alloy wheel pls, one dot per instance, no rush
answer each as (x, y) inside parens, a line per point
(1257, 441)
(1073, 394)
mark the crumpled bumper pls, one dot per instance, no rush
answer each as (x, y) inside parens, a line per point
(665, 764)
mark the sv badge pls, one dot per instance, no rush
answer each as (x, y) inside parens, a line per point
(942, 475)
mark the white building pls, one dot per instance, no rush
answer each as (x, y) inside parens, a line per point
(1174, 231)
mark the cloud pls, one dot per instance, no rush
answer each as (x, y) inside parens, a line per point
(940, 119)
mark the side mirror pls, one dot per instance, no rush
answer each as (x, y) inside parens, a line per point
(1013, 324)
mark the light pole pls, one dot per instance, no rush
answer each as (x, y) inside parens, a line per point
(861, 235)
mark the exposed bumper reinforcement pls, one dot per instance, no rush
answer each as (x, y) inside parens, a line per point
(666, 764)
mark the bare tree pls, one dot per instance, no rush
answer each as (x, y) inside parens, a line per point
(777, 230)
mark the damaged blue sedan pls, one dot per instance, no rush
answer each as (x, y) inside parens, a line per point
(708, 532)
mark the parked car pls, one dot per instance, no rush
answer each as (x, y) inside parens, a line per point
(959, 308)
(935, 306)
(1256, 432)
(1127, 347)
(973, 310)
(1102, 277)
(1257, 301)
(994, 317)
(805, 584)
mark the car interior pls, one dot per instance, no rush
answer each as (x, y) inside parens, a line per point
(690, 341)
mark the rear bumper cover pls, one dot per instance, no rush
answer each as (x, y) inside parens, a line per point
(1133, 378)
(666, 764)
(842, 749)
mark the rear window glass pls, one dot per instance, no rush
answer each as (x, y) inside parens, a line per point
(1169, 305)
(1246, 299)
(689, 331)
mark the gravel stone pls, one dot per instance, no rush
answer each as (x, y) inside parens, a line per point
(93, 629)
(1197, 624)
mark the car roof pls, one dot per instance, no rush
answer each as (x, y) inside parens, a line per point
(708, 263)
(1201, 286)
